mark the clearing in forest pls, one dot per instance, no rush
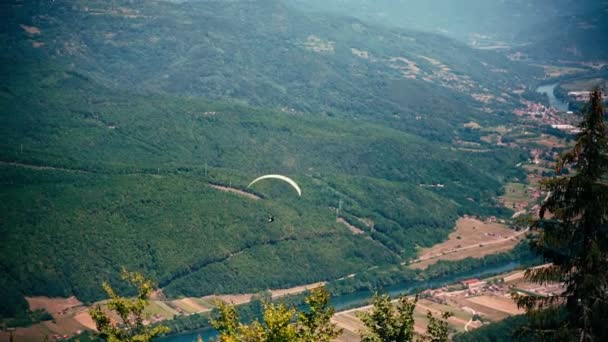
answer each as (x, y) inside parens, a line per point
(55, 306)
(472, 238)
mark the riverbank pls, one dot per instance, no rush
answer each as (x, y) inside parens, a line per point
(71, 316)
(348, 303)
(549, 90)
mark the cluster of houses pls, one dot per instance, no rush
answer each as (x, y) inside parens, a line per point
(476, 287)
(469, 287)
(535, 110)
(544, 114)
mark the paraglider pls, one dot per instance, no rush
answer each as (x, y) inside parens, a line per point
(288, 180)
(279, 177)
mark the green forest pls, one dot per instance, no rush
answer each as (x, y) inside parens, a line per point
(74, 183)
(113, 132)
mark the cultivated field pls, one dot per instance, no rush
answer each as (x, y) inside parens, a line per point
(490, 299)
(71, 316)
(500, 303)
(294, 290)
(57, 307)
(472, 238)
(191, 305)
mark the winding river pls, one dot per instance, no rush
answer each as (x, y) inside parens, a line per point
(549, 90)
(361, 298)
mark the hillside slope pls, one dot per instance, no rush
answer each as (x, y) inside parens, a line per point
(581, 36)
(95, 179)
(111, 140)
(265, 53)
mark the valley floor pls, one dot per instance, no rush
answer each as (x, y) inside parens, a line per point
(71, 316)
(473, 302)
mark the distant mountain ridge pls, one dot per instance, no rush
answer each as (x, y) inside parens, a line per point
(569, 37)
(548, 29)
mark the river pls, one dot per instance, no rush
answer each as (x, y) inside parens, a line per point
(549, 90)
(361, 298)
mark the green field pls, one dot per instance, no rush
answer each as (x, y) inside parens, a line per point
(516, 192)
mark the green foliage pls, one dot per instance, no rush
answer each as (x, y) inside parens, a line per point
(279, 322)
(315, 325)
(446, 272)
(437, 329)
(184, 323)
(389, 322)
(14, 305)
(227, 322)
(25, 320)
(131, 327)
(574, 240)
(105, 146)
(114, 188)
(222, 54)
(503, 331)
(394, 322)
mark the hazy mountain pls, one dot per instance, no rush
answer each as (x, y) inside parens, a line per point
(540, 25)
(568, 37)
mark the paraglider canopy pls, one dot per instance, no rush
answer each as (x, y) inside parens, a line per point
(279, 177)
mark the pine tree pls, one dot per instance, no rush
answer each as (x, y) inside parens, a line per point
(575, 239)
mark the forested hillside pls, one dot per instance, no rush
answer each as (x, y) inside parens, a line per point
(116, 118)
(504, 331)
(127, 180)
(265, 53)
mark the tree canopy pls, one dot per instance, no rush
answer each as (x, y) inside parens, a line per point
(394, 322)
(132, 327)
(280, 323)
